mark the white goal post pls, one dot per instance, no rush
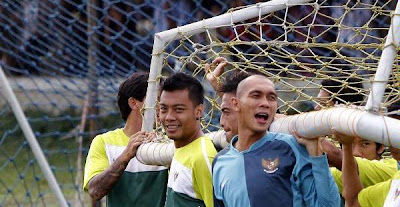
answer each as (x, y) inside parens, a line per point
(369, 123)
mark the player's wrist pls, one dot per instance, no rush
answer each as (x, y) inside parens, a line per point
(313, 150)
(127, 155)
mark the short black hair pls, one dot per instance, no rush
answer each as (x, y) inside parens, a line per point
(182, 81)
(135, 86)
(345, 94)
(232, 81)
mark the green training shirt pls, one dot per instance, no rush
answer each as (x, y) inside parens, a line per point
(140, 185)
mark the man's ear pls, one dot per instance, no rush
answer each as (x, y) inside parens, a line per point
(132, 102)
(199, 111)
(235, 103)
(380, 149)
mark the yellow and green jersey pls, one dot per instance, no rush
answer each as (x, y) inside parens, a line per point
(386, 194)
(140, 185)
(371, 172)
(189, 181)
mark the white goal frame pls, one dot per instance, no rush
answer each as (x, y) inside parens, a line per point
(349, 121)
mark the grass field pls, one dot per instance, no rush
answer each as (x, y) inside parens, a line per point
(21, 180)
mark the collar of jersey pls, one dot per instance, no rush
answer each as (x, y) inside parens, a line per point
(267, 137)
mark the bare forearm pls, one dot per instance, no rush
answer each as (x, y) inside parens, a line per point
(334, 154)
(350, 178)
(101, 184)
(216, 86)
(313, 148)
(314, 151)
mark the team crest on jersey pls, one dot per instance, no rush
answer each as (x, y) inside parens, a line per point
(176, 175)
(270, 165)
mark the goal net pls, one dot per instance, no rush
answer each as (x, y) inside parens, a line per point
(298, 44)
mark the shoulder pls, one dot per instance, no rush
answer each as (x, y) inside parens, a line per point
(196, 152)
(374, 195)
(286, 138)
(220, 154)
(387, 164)
(335, 172)
(113, 137)
(110, 134)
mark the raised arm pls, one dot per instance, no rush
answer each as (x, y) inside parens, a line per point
(213, 75)
(314, 183)
(351, 181)
(334, 154)
(101, 184)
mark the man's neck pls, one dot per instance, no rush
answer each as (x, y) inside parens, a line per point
(184, 142)
(247, 138)
(132, 126)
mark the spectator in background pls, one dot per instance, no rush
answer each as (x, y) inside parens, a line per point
(340, 91)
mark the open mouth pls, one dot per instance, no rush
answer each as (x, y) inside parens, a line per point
(262, 117)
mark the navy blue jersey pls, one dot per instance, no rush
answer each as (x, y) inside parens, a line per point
(274, 171)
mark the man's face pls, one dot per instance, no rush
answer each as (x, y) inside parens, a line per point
(178, 115)
(229, 117)
(366, 149)
(324, 99)
(256, 103)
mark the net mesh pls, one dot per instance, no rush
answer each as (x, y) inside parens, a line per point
(297, 48)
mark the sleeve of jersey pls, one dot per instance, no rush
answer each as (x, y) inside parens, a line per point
(375, 171)
(96, 161)
(218, 202)
(314, 182)
(202, 175)
(374, 195)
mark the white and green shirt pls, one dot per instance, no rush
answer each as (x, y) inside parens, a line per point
(140, 185)
(189, 182)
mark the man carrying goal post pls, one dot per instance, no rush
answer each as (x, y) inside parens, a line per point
(112, 168)
(372, 172)
(263, 168)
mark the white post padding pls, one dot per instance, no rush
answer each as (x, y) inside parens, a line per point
(156, 153)
(385, 63)
(31, 138)
(348, 121)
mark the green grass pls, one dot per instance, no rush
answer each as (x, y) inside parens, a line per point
(21, 180)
